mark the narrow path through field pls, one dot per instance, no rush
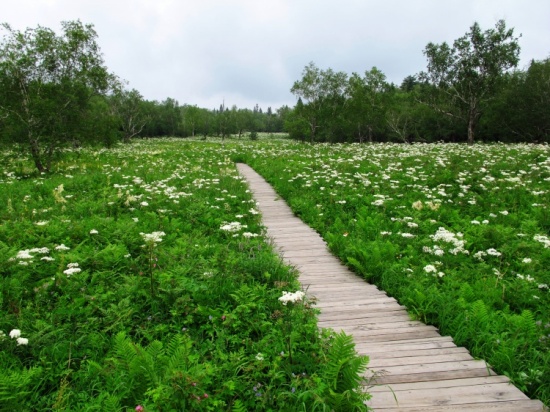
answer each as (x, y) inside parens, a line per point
(419, 369)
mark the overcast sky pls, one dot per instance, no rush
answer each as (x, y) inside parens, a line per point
(245, 52)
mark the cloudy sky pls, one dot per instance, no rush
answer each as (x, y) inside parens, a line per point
(248, 52)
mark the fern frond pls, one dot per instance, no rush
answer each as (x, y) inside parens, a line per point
(238, 406)
(16, 385)
(344, 366)
(111, 404)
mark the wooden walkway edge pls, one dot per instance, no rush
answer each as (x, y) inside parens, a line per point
(416, 369)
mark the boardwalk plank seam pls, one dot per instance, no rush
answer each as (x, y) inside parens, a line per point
(416, 369)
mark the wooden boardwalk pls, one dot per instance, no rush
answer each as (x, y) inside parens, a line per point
(417, 369)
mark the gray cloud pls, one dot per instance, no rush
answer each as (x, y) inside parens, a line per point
(247, 52)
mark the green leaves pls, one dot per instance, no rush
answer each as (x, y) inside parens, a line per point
(46, 85)
(464, 75)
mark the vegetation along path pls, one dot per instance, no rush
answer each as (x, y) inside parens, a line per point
(414, 368)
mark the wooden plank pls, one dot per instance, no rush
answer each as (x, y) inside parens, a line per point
(508, 406)
(380, 324)
(423, 369)
(427, 376)
(411, 344)
(404, 353)
(454, 395)
(370, 318)
(378, 362)
(350, 298)
(448, 383)
(378, 336)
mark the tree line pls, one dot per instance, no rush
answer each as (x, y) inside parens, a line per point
(56, 92)
(470, 91)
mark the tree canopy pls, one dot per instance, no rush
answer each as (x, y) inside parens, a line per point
(47, 82)
(466, 75)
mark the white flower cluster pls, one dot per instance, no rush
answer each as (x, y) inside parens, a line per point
(446, 236)
(433, 270)
(15, 334)
(292, 297)
(153, 238)
(72, 268)
(25, 256)
(542, 239)
(434, 250)
(489, 252)
(232, 227)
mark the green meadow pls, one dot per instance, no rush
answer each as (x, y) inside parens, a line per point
(458, 234)
(140, 276)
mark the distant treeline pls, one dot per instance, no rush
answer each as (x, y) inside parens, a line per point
(470, 91)
(56, 92)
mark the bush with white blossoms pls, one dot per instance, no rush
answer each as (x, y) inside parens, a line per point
(447, 236)
(72, 268)
(232, 227)
(15, 334)
(151, 239)
(292, 297)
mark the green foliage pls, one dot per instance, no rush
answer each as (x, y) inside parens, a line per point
(465, 75)
(47, 83)
(16, 386)
(456, 233)
(467, 92)
(213, 335)
(343, 374)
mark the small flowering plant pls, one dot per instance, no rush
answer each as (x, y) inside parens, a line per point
(293, 298)
(16, 335)
(151, 241)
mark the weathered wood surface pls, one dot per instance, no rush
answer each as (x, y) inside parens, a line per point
(412, 368)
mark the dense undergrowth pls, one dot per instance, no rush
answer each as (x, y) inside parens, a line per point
(139, 278)
(459, 234)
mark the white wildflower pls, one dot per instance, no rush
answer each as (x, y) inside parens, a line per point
(93, 232)
(62, 247)
(24, 254)
(232, 227)
(542, 239)
(418, 205)
(152, 238)
(291, 297)
(430, 269)
(22, 341)
(15, 333)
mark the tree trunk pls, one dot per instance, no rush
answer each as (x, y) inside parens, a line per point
(35, 153)
(472, 120)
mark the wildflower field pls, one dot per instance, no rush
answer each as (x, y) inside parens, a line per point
(458, 234)
(139, 278)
